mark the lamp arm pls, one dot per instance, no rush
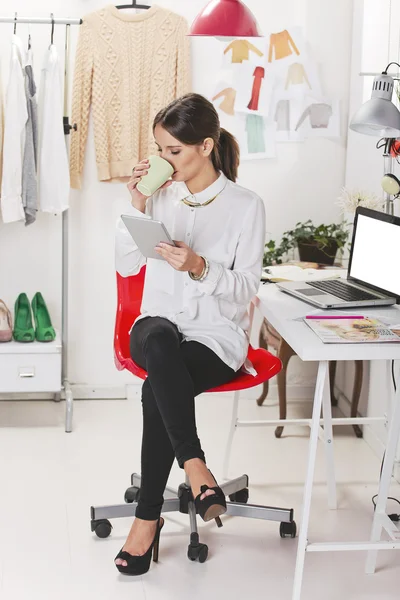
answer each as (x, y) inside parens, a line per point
(389, 65)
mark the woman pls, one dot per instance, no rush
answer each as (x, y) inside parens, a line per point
(191, 334)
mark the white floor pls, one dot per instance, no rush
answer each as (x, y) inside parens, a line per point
(50, 479)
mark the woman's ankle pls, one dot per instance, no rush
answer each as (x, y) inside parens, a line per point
(147, 521)
(193, 465)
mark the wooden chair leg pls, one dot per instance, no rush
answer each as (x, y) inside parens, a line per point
(263, 344)
(332, 375)
(358, 378)
(285, 353)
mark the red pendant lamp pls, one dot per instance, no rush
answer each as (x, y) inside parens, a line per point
(225, 18)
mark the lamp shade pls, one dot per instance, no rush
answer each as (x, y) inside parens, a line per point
(378, 116)
(225, 18)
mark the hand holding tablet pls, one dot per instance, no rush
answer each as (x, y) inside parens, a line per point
(147, 234)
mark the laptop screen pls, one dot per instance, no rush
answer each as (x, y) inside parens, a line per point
(376, 253)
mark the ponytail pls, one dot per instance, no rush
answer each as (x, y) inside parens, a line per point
(226, 155)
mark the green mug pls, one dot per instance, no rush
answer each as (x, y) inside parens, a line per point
(160, 171)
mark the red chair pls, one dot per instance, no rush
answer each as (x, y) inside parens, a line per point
(130, 290)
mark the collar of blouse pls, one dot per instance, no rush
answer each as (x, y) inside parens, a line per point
(206, 196)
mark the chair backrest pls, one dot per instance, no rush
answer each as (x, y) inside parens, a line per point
(130, 292)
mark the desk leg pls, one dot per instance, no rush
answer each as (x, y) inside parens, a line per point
(381, 501)
(312, 452)
(328, 440)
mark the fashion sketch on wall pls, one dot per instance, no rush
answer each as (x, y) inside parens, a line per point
(268, 90)
(319, 118)
(296, 86)
(241, 96)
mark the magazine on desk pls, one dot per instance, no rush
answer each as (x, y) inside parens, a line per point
(353, 331)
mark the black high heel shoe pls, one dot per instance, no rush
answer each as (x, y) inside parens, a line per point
(138, 565)
(213, 505)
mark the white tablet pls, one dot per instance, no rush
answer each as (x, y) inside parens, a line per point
(147, 234)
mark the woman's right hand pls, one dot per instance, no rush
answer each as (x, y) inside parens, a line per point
(138, 200)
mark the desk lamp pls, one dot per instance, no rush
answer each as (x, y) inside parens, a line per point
(380, 117)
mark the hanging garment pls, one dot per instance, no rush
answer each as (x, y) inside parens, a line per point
(15, 119)
(241, 49)
(128, 67)
(282, 115)
(53, 161)
(319, 115)
(228, 103)
(280, 43)
(29, 167)
(259, 74)
(255, 126)
(1, 128)
(296, 75)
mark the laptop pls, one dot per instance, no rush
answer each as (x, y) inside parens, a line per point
(373, 276)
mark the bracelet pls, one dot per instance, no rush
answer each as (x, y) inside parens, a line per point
(204, 273)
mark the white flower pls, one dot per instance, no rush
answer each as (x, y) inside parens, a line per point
(349, 199)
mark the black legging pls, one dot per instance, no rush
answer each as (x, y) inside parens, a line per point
(177, 372)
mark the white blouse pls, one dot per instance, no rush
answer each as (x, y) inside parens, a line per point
(53, 168)
(230, 232)
(16, 116)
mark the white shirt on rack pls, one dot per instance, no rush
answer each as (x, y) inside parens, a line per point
(1, 127)
(16, 116)
(53, 168)
(230, 232)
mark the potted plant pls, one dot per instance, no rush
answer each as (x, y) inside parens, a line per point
(315, 244)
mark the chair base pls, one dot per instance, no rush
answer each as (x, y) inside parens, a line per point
(181, 500)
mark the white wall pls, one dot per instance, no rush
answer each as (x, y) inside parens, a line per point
(376, 35)
(301, 183)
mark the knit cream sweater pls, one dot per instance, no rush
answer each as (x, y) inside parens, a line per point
(128, 67)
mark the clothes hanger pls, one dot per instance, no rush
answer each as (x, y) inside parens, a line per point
(133, 5)
(52, 28)
(29, 37)
(29, 56)
(15, 23)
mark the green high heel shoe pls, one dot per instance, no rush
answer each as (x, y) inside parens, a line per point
(23, 327)
(44, 329)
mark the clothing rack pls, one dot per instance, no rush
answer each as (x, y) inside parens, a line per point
(40, 20)
(51, 20)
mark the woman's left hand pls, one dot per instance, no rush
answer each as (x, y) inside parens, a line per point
(181, 257)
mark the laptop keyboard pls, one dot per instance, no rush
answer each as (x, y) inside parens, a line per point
(342, 290)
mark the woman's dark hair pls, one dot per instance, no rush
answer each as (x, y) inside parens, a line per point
(191, 119)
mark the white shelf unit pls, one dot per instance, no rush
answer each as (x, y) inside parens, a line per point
(31, 367)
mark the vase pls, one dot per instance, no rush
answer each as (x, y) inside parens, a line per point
(310, 252)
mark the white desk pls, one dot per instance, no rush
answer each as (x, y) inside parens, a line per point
(284, 312)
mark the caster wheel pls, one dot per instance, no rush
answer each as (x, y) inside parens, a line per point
(288, 530)
(132, 494)
(199, 552)
(102, 528)
(57, 397)
(241, 496)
